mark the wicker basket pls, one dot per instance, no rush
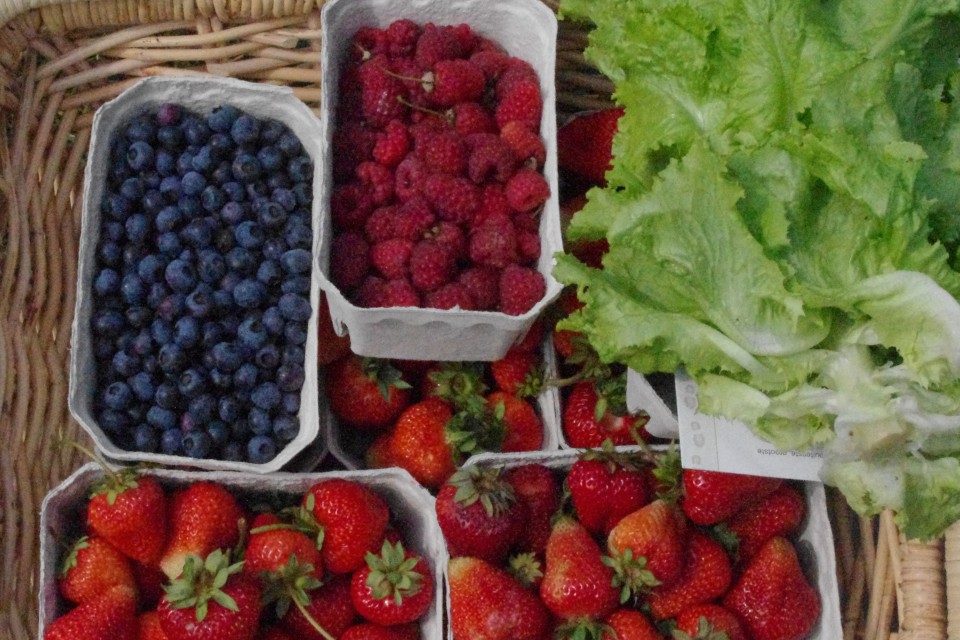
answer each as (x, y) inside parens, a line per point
(58, 63)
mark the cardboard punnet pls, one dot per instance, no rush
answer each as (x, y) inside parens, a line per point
(526, 29)
(411, 508)
(814, 544)
(199, 94)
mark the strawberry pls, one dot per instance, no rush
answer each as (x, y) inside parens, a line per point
(130, 512)
(584, 144)
(778, 514)
(93, 566)
(354, 519)
(604, 486)
(706, 576)
(538, 488)
(772, 598)
(203, 517)
(518, 372)
(597, 411)
(330, 608)
(523, 427)
(396, 587)
(212, 598)
(576, 581)
(708, 622)
(527, 569)
(418, 442)
(273, 633)
(272, 544)
(330, 346)
(150, 582)
(629, 624)
(367, 631)
(712, 496)
(366, 393)
(148, 627)
(487, 603)
(479, 514)
(648, 546)
(111, 615)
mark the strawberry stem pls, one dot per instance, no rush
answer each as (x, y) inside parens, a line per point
(306, 614)
(99, 460)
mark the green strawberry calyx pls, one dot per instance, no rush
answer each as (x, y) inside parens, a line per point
(630, 573)
(202, 580)
(526, 568)
(385, 375)
(584, 629)
(705, 631)
(392, 573)
(70, 562)
(486, 486)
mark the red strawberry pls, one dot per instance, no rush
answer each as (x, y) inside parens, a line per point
(92, 567)
(706, 576)
(584, 145)
(653, 539)
(211, 599)
(523, 427)
(366, 393)
(604, 487)
(712, 496)
(273, 633)
(521, 288)
(709, 622)
(629, 624)
(597, 411)
(331, 608)
(150, 583)
(779, 514)
(354, 519)
(148, 627)
(112, 615)
(479, 514)
(536, 486)
(272, 544)
(772, 597)
(487, 603)
(203, 517)
(130, 512)
(527, 569)
(367, 631)
(396, 587)
(418, 443)
(576, 581)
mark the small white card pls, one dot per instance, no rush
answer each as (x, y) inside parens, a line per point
(719, 444)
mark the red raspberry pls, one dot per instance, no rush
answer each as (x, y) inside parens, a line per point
(431, 266)
(410, 74)
(442, 152)
(492, 62)
(521, 288)
(436, 44)
(381, 94)
(392, 144)
(399, 293)
(522, 102)
(516, 70)
(368, 42)
(483, 284)
(466, 37)
(349, 260)
(471, 117)
(493, 201)
(413, 219)
(453, 198)
(491, 160)
(526, 145)
(527, 190)
(378, 179)
(449, 235)
(450, 295)
(350, 206)
(493, 243)
(485, 44)
(409, 178)
(454, 81)
(527, 221)
(402, 36)
(391, 257)
(528, 245)
(370, 292)
(352, 144)
(381, 225)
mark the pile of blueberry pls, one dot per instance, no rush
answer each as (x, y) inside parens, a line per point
(202, 285)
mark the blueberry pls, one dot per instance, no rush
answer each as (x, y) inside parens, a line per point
(269, 273)
(141, 128)
(222, 146)
(125, 364)
(290, 377)
(267, 357)
(222, 174)
(219, 433)
(150, 365)
(117, 207)
(273, 321)
(297, 261)
(202, 408)
(298, 235)
(172, 307)
(304, 193)
(184, 163)
(249, 235)
(240, 261)
(259, 421)
(290, 404)
(245, 129)
(166, 163)
(117, 396)
(271, 214)
(252, 333)
(230, 281)
(110, 254)
(140, 155)
(168, 113)
(232, 451)
(169, 244)
(286, 428)
(250, 293)
(170, 188)
(161, 331)
(132, 188)
(227, 356)
(196, 131)
(229, 408)
(145, 438)
(198, 233)
(152, 201)
(166, 396)
(292, 354)
(108, 323)
(213, 198)
(298, 285)
(274, 248)
(171, 358)
(295, 332)
(171, 138)
(192, 183)
(190, 207)
(285, 198)
(300, 169)
(200, 301)
(271, 130)
(270, 158)
(222, 118)
(167, 219)
(142, 386)
(246, 168)
(220, 379)
(233, 213)
(171, 442)
(114, 421)
(151, 268)
(246, 376)
(143, 343)
(261, 449)
(123, 342)
(161, 418)
(234, 190)
(132, 254)
(180, 275)
(257, 189)
(279, 181)
(294, 307)
(223, 302)
(138, 316)
(103, 349)
(187, 422)
(107, 282)
(186, 333)
(211, 266)
(289, 144)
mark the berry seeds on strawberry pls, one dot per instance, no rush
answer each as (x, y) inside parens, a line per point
(110, 615)
(129, 511)
(204, 517)
(354, 518)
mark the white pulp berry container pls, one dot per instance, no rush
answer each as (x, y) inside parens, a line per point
(527, 29)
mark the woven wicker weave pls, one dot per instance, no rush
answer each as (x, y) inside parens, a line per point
(58, 63)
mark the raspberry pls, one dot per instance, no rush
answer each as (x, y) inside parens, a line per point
(381, 94)
(449, 235)
(528, 245)
(526, 145)
(381, 225)
(436, 44)
(431, 265)
(391, 257)
(349, 260)
(494, 242)
(483, 284)
(515, 70)
(455, 199)
(491, 160)
(471, 117)
(402, 36)
(399, 293)
(368, 42)
(378, 179)
(392, 144)
(410, 75)
(409, 178)
(492, 62)
(350, 206)
(449, 296)
(466, 37)
(527, 221)
(413, 219)
(493, 201)
(454, 81)
(370, 292)
(485, 44)
(442, 152)
(521, 288)
(527, 190)
(521, 102)
(352, 144)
